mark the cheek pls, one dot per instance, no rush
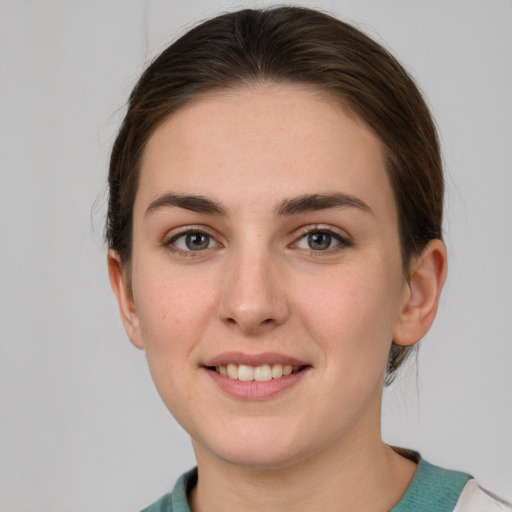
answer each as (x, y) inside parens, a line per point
(173, 310)
(172, 314)
(352, 313)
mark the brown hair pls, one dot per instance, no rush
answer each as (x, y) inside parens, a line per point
(290, 45)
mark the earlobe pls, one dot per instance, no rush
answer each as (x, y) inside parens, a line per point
(124, 299)
(421, 299)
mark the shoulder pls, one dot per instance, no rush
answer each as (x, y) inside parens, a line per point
(444, 490)
(474, 498)
(164, 504)
(177, 500)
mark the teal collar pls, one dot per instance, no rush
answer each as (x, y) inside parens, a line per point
(432, 488)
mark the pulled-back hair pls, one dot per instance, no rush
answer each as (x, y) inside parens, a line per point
(290, 45)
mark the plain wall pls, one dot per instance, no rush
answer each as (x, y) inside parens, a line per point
(81, 426)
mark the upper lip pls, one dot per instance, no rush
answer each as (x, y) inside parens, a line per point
(253, 359)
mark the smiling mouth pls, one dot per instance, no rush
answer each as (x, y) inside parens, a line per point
(261, 373)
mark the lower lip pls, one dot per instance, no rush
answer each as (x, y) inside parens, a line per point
(256, 390)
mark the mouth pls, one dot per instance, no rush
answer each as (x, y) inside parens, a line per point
(255, 377)
(261, 373)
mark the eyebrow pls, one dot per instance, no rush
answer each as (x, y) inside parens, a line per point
(294, 206)
(315, 202)
(198, 204)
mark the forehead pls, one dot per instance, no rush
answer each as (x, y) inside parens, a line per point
(269, 141)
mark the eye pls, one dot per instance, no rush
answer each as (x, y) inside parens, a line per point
(192, 241)
(321, 240)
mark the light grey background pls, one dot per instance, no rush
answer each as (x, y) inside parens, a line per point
(81, 427)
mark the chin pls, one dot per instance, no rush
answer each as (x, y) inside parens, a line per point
(256, 447)
(263, 459)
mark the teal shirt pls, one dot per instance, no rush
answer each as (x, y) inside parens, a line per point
(432, 488)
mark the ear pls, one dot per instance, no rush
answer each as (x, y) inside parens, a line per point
(124, 298)
(427, 275)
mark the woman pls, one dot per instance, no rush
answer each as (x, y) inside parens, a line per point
(274, 228)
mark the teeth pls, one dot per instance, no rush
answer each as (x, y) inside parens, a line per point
(232, 371)
(260, 373)
(277, 371)
(245, 372)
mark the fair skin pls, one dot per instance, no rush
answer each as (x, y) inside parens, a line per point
(265, 233)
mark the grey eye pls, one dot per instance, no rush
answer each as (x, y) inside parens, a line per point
(319, 241)
(197, 241)
(194, 241)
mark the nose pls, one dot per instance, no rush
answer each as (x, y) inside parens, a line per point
(254, 298)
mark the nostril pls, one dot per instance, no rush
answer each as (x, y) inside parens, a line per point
(250, 324)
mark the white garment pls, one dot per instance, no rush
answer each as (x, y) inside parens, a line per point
(475, 499)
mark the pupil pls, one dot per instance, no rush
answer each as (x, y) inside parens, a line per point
(319, 241)
(197, 241)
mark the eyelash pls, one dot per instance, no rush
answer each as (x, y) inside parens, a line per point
(341, 241)
(170, 243)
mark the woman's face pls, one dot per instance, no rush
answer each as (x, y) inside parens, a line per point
(265, 237)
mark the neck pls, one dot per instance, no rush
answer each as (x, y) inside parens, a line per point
(367, 476)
